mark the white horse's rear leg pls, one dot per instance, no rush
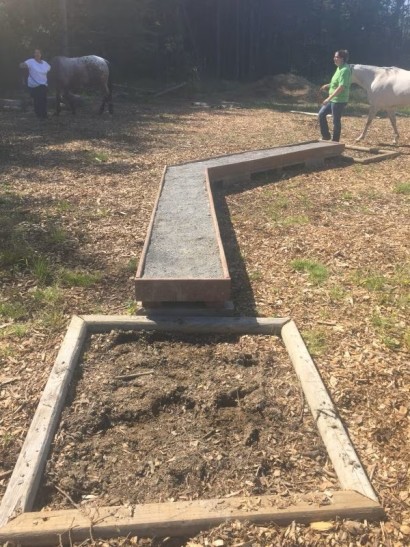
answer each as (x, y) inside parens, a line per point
(392, 118)
(370, 118)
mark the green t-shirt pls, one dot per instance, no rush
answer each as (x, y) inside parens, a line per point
(343, 77)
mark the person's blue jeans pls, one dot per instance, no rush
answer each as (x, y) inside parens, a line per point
(336, 109)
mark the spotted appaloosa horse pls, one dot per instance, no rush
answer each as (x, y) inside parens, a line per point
(69, 74)
(387, 88)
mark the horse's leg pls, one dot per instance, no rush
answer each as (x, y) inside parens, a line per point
(70, 100)
(370, 118)
(107, 98)
(392, 118)
(58, 102)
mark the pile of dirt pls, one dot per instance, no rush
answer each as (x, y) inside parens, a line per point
(286, 87)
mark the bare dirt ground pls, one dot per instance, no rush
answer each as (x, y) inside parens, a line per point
(212, 416)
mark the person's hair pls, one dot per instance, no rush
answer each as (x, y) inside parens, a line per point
(344, 54)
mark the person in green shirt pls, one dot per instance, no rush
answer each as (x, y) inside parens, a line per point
(337, 98)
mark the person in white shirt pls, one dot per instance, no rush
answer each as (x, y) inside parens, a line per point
(37, 82)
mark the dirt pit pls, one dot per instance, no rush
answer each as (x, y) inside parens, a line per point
(156, 417)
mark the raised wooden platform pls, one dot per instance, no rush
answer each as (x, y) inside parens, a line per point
(183, 259)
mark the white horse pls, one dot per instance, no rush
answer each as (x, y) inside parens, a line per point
(387, 88)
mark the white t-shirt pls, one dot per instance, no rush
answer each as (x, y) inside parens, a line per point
(37, 72)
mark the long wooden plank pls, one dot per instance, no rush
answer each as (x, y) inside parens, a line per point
(379, 157)
(177, 519)
(277, 159)
(23, 484)
(200, 325)
(345, 461)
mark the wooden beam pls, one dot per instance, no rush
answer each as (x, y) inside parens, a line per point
(199, 325)
(22, 487)
(376, 158)
(184, 518)
(345, 461)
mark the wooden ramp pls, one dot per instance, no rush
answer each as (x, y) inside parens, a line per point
(183, 259)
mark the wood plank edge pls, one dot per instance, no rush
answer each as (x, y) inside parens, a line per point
(24, 481)
(193, 324)
(339, 446)
(178, 519)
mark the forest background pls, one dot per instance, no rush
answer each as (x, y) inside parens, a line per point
(174, 40)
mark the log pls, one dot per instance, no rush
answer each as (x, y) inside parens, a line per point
(22, 487)
(184, 518)
(341, 452)
(199, 325)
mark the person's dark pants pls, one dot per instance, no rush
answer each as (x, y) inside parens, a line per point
(39, 95)
(336, 109)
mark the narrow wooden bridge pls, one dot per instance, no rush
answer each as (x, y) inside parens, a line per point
(183, 259)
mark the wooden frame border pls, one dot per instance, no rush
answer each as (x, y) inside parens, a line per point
(378, 154)
(356, 500)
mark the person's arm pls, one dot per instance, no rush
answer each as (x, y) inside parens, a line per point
(23, 65)
(335, 93)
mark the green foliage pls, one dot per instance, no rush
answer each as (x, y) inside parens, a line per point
(317, 272)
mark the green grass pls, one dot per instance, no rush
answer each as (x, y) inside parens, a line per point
(393, 332)
(12, 310)
(317, 272)
(98, 156)
(403, 188)
(63, 206)
(315, 340)
(336, 293)
(297, 220)
(41, 270)
(78, 278)
(132, 265)
(57, 236)
(369, 279)
(256, 275)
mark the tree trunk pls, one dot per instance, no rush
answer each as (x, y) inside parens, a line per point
(64, 27)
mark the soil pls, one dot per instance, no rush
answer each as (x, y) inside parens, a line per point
(217, 415)
(235, 424)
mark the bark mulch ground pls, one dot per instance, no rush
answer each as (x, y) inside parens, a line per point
(212, 416)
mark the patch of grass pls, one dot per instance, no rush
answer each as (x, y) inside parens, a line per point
(41, 270)
(315, 340)
(77, 278)
(52, 319)
(298, 220)
(49, 295)
(347, 195)
(318, 273)
(98, 156)
(131, 307)
(57, 236)
(6, 439)
(63, 206)
(403, 188)
(393, 332)
(132, 265)
(337, 293)
(371, 280)
(256, 275)
(12, 310)
(19, 330)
